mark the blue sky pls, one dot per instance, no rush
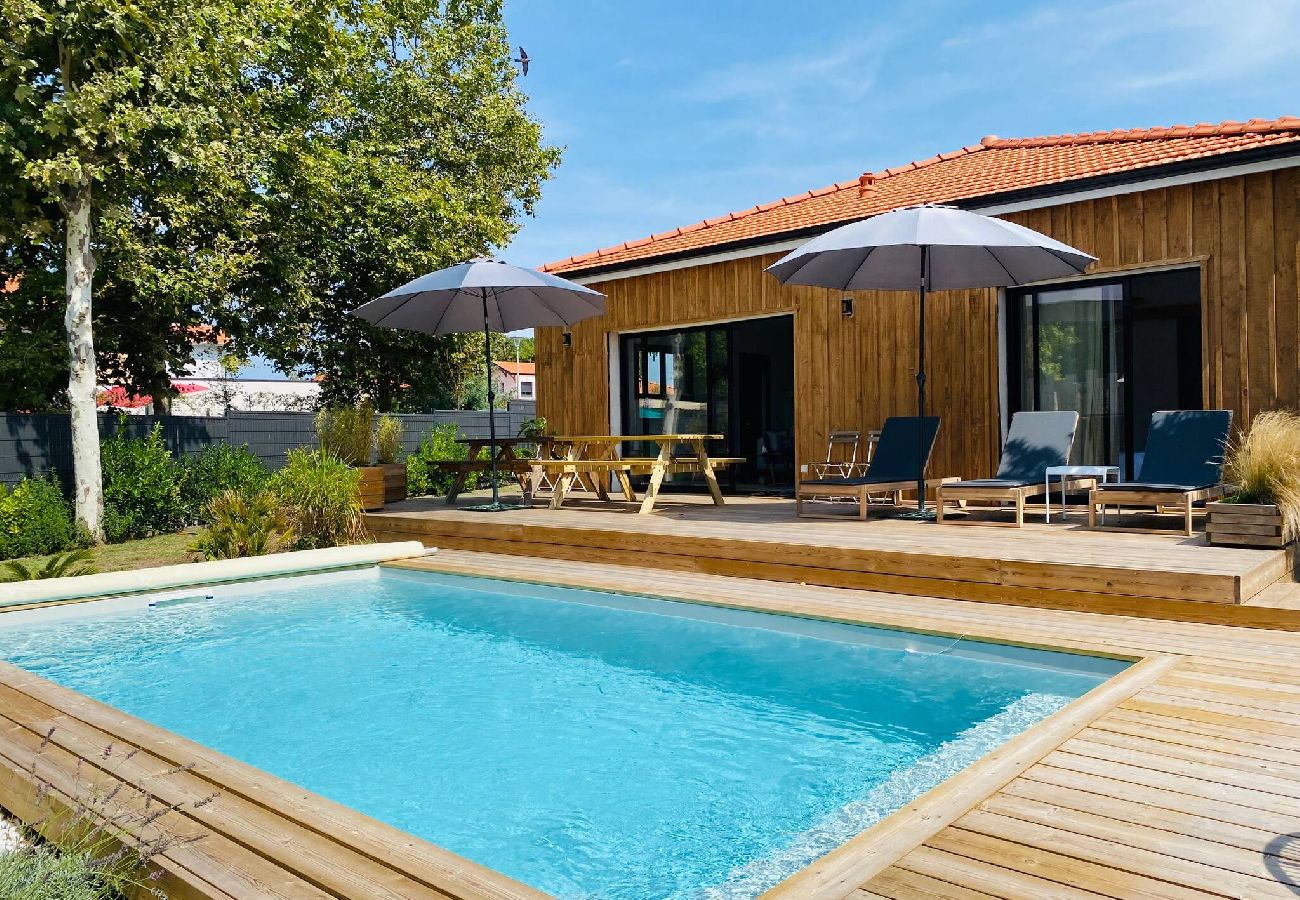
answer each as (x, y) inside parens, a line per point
(674, 111)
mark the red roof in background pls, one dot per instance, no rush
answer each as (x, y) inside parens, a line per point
(993, 166)
(514, 368)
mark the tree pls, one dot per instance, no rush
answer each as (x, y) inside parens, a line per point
(107, 104)
(421, 157)
(261, 165)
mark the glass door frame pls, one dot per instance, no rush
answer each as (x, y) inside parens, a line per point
(1016, 352)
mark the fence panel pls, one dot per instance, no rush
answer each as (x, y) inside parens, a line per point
(42, 443)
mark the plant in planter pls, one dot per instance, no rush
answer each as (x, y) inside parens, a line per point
(1264, 464)
(347, 434)
(388, 449)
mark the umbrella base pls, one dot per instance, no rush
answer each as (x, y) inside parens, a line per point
(495, 507)
(917, 515)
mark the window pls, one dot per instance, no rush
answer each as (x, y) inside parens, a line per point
(526, 388)
(1116, 350)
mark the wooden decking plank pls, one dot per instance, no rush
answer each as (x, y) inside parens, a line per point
(973, 872)
(1165, 731)
(1052, 866)
(1287, 734)
(1208, 836)
(1178, 754)
(1217, 701)
(1190, 861)
(1205, 771)
(1168, 796)
(902, 884)
(1182, 783)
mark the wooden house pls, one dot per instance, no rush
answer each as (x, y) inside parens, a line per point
(1193, 304)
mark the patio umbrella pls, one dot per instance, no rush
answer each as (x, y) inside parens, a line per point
(928, 248)
(488, 294)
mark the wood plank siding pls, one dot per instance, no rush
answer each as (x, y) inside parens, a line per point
(853, 372)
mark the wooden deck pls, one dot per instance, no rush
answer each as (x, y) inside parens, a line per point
(1059, 566)
(1178, 778)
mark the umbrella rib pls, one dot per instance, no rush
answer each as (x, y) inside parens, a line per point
(858, 270)
(1002, 266)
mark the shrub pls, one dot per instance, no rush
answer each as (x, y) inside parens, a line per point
(533, 429)
(142, 493)
(244, 525)
(347, 432)
(61, 565)
(388, 440)
(320, 495)
(219, 467)
(439, 445)
(35, 519)
(1264, 462)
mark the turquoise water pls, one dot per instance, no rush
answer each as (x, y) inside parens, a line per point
(591, 745)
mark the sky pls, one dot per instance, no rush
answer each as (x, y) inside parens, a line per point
(673, 111)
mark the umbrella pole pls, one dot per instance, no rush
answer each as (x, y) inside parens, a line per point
(920, 389)
(491, 401)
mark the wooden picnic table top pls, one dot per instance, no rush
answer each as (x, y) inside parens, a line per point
(632, 438)
(500, 440)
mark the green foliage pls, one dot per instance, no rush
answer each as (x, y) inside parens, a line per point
(347, 432)
(388, 439)
(1264, 463)
(439, 445)
(142, 486)
(35, 519)
(320, 494)
(218, 467)
(43, 872)
(61, 565)
(244, 525)
(533, 429)
(260, 165)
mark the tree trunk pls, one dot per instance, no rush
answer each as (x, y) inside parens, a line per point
(80, 265)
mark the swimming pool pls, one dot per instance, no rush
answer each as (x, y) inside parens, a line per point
(588, 744)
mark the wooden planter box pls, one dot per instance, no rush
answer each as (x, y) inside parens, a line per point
(1244, 524)
(394, 481)
(372, 487)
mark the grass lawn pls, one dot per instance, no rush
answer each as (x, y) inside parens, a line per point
(161, 550)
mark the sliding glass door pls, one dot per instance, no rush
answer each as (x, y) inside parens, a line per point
(1115, 350)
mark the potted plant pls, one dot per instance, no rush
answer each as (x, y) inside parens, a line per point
(1264, 465)
(347, 432)
(388, 448)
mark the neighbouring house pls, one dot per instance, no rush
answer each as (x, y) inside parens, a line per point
(516, 380)
(1193, 303)
(216, 383)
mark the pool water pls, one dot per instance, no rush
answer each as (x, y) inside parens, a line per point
(588, 744)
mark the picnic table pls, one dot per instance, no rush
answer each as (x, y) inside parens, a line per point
(507, 461)
(594, 458)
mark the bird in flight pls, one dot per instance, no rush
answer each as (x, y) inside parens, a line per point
(522, 59)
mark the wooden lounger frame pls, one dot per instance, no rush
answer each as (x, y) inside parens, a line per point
(1183, 500)
(1017, 494)
(859, 492)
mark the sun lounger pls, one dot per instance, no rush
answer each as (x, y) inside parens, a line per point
(1182, 466)
(893, 467)
(1035, 441)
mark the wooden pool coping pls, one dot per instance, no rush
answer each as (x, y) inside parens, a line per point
(267, 837)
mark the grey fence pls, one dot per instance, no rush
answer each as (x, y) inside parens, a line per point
(39, 444)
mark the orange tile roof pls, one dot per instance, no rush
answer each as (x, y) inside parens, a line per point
(993, 166)
(516, 368)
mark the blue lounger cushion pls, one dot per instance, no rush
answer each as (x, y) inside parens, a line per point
(1184, 452)
(895, 459)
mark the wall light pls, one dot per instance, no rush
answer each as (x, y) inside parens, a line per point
(846, 307)
(568, 338)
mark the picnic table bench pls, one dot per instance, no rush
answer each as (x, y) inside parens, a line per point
(594, 460)
(507, 461)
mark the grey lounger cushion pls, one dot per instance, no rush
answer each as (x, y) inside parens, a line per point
(1035, 441)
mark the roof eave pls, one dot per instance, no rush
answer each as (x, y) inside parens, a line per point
(981, 201)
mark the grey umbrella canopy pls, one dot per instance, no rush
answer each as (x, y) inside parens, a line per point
(928, 248)
(485, 294)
